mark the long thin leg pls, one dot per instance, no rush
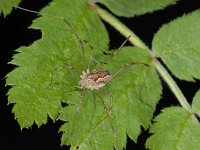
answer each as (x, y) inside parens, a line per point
(58, 17)
(57, 69)
(127, 65)
(111, 100)
(81, 45)
(79, 40)
(117, 50)
(145, 78)
(31, 11)
(107, 115)
(81, 100)
(92, 53)
(120, 47)
(142, 87)
(104, 104)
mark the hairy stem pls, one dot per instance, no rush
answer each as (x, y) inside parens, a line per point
(135, 40)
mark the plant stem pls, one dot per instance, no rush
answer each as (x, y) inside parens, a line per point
(118, 25)
(135, 40)
(173, 86)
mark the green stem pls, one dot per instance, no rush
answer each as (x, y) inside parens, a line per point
(173, 86)
(118, 25)
(138, 43)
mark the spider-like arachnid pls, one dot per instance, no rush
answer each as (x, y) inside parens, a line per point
(92, 80)
(95, 80)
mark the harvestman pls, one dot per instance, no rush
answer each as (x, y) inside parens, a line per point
(90, 80)
(96, 79)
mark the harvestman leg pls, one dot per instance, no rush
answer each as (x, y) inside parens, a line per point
(81, 42)
(108, 113)
(81, 45)
(81, 100)
(127, 65)
(84, 60)
(143, 83)
(92, 54)
(105, 107)
(111, 100)
(66, 67)
(57, 69)
(121, 69)
(135, 63)
(117, 50)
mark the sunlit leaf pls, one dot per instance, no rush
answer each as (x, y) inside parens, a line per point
(175, 128)
(177, 43)
(130, 8)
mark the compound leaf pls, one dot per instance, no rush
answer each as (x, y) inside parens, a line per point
(177, 43)
(130, 8)
(136, 87)
(6, 7)
(34, 96)
(175, 128)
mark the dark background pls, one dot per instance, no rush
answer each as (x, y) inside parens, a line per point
(14, 33)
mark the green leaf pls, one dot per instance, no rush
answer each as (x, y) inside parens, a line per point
(137, 87)
(130, 8)
(33, 98)
(196, 103)
(6, 6)
(174, 129)
(177, 43)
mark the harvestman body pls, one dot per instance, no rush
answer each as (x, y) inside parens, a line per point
(95, 79)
